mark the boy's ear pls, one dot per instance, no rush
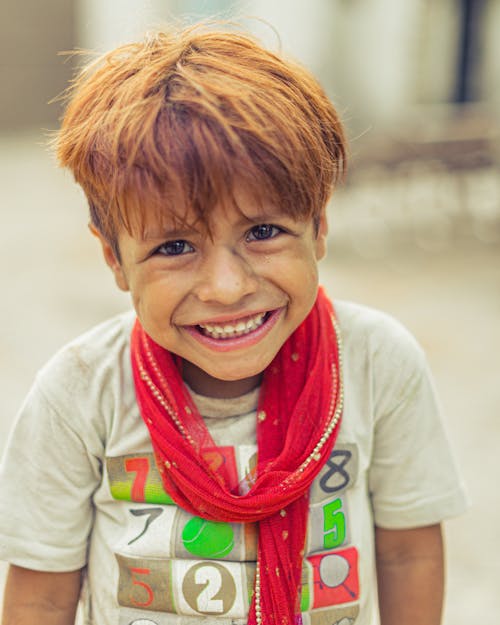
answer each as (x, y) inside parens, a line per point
(321, 236)
(111, 260)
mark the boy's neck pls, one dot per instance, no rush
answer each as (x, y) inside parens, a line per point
(206, 385)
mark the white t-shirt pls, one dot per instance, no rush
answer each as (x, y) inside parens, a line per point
(79, 486)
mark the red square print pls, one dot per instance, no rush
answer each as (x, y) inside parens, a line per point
(335, 577)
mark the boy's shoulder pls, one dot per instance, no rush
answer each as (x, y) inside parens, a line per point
(367, 323)
(90, 355)
(383, 363)
(370, 334)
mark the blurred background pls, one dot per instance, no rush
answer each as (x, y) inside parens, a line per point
(415, 230)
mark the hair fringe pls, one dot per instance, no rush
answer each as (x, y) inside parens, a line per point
(177, 122)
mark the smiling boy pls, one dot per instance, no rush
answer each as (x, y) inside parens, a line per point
(238, 449)
(227, 300)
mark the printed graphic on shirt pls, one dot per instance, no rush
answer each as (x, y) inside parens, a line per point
(345, 615)
(201, 587)
(246, 458)
(197, 537)
(328, 525)
(222, 460)
(128, 616)
(170, 532)
(210, 588)
(145, 584)
(334, 577)
(339, 473)
(173, 562)
(206, 587)
(136, 477)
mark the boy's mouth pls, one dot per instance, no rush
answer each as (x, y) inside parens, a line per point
(233, 329)
(235, 334)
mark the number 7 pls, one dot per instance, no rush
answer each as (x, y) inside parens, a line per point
(151, 513)
(139, 466)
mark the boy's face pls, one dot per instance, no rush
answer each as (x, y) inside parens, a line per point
(224, 303)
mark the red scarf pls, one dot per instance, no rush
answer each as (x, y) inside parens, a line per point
(298, 419)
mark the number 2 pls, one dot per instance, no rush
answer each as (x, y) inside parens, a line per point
(213, 579)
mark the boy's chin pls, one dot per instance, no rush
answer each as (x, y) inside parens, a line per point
(220, 383)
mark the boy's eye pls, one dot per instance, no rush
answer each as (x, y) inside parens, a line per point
(174, 248)
(263, 232)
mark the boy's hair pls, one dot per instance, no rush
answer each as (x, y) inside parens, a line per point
(182, 119)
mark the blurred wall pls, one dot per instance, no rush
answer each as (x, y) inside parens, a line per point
(490, 71)
(104, 24)
(376, 58)
(32, 32)
(380, 58)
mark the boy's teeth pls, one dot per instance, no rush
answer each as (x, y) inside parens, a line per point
(229, 330)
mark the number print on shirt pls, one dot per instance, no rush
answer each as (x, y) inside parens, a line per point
(334, 525)
(339, 473)
(136, 478)
(328, 525)
(135, 575)
(336, 477)
(209, 588)
(151, 514)
(145, 584)
(223, 461)
(173, 562)
(139, 466)
(201, 587)
(215, 589)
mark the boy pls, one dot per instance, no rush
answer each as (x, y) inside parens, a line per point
(133, 467)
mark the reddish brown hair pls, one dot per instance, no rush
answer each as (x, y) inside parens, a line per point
(178, 120)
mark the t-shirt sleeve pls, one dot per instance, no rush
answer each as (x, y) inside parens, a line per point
(47, 477)
(413, 478)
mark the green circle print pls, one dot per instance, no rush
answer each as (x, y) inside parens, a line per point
(208, 539)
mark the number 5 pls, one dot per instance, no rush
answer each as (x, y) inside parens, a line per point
(137, 582)
(333, 524)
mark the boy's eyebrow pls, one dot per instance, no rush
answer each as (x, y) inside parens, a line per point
(184, 231)
(168, 233)
(263, 216)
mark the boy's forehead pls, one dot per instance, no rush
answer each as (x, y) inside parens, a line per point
(241, 210)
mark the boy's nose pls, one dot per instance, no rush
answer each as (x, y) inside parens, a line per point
(225, 277)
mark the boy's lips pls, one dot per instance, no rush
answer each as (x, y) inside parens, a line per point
(234, 328)
(237, 333)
